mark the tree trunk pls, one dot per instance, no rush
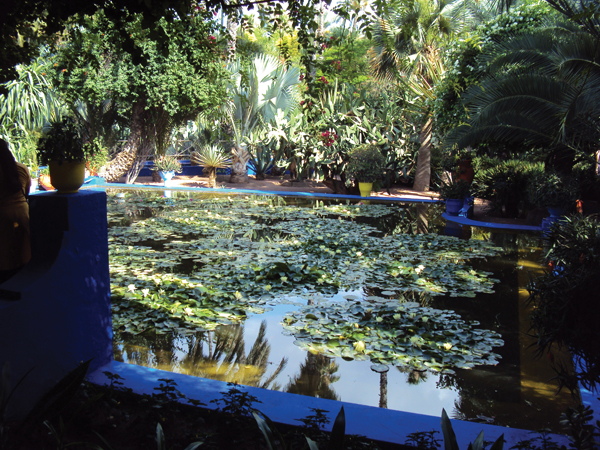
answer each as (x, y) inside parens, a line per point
(423, 173)
(138, 143)
(232, 27)
(239, 161)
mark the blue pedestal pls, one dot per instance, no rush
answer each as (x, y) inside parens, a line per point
(55, 313)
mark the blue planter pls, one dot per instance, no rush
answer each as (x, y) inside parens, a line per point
(453, 205)
(557, 211)
(166, 176)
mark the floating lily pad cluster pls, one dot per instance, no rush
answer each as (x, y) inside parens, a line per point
(388, 332)
(193, 264)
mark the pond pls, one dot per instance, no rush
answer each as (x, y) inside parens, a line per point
(361, 302)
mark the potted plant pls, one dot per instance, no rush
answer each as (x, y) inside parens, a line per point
(366, 164)
(454, 193)
(167, 165)
(211, 157)
(553, 191)
(62, 150)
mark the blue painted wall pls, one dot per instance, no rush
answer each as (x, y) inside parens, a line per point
(55, 313)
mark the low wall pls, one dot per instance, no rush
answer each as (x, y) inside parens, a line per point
(55, 312)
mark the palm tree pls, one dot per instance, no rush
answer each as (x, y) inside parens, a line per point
(28, 105)
(408, 51)
(543, 91)
(258, 95)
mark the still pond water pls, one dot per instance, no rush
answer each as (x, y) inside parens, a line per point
(206, 286)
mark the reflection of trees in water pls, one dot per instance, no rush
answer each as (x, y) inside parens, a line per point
(383, 385)
(413, 376)
(474, 388)
(219, 355)
(315, 377)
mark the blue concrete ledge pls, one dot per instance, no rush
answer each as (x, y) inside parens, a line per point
(373, 423)
(226, 191)
(501, 226)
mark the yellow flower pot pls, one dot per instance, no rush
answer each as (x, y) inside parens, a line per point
(67, 177)
(365, 189)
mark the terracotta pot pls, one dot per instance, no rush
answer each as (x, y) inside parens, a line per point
(67, 177)
(45, 182)
(466, 171)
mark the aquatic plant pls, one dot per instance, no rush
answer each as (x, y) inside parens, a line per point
(389, 332)
(192, 264)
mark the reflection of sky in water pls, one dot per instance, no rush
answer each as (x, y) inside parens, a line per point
(357, 383)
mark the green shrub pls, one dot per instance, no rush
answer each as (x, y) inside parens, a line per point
(366, 163)
(456, 189)
(61, 143)
(565, 299)
(504, 182)
(552, 189)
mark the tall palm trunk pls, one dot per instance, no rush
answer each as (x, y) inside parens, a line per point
(137, 147)
(232, 27)
(423, 173)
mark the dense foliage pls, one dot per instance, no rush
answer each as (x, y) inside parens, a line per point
(566, 310)
(158, 84)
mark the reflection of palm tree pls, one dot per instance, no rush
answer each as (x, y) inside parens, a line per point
(383, 382)
(225, 358)
(413, 376)
(315, 378)
(422, 224)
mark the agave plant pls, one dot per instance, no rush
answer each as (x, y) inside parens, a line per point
(212, 157)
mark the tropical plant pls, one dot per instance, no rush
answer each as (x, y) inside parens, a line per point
(275, 439)
(62, 143)
(212, 157)
(29, 103)
(455, 189)
(262, 145)
(158, 84)
(465, 62)
(565, 301)
(543, 90)
(505, 183)
(406, 50)
(259, 92)
(550, 189)
(366, 164)
(450, 442)
(167, 163)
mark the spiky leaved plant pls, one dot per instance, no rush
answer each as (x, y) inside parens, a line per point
(212, 157)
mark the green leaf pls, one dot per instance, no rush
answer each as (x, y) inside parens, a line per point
(338, 431)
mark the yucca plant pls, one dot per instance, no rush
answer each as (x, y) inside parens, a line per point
(212, 157)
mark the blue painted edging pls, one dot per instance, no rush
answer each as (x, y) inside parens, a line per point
(373, 423)
(502, 226)
(226, 191)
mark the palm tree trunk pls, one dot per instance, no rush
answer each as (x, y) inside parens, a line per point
(423, 174)
(232, 27)
(138, 144)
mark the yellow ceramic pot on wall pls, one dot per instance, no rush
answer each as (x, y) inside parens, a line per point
(365, 189)
(67, 177)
